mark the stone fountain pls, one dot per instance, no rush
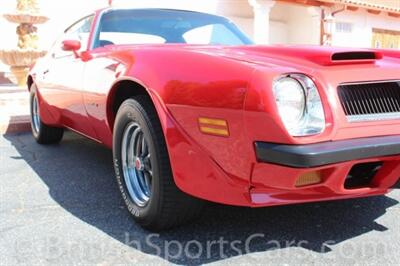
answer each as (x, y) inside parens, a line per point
(21, 58)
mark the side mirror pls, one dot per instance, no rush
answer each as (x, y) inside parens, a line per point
(71, 45)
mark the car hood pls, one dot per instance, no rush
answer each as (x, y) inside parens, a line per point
(309, 55)
(330, 62)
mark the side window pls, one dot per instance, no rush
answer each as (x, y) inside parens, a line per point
(79, 31)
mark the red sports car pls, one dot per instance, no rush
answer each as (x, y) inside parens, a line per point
(194, 111)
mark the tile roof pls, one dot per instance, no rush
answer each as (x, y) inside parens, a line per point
(386, 5)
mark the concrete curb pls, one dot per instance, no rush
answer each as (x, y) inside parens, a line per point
(17, 124)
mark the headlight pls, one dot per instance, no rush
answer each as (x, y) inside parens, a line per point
(299, 105)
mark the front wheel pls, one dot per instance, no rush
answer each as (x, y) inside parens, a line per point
(143, 169)
(42, 133)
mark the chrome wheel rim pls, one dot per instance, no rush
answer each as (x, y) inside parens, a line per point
(136, 165)
(35, 114)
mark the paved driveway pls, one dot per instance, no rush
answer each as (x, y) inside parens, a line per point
(60, 205)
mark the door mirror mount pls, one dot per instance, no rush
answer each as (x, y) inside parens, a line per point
(72, 45)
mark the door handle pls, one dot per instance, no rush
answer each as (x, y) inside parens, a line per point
(44, 73)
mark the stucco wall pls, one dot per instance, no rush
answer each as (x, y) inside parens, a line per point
(295, 24)
(362, 25)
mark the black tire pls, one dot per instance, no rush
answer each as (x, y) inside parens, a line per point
(42, 133)
(167, 206)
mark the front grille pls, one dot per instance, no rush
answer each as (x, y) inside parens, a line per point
(370, 101)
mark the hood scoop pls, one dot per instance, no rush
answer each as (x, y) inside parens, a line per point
(356, 56)
(321, 55)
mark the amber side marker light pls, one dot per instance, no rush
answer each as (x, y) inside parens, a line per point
(213, 126)
(310, 178)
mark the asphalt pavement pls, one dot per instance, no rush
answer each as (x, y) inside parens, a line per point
(60, 204)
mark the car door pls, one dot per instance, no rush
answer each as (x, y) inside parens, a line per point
(63, 79)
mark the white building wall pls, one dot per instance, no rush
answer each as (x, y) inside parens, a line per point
(279, 32)
(245, 24)
(295, 24)
(362, 26)
(304, 25)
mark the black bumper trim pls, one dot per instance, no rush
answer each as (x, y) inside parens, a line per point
(325, 153)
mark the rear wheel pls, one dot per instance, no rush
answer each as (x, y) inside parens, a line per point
(143, 169)
(42, 133)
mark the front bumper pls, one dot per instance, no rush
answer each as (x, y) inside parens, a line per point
(274, 177)
(320, 154)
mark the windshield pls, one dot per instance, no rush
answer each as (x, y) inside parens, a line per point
(149, 26)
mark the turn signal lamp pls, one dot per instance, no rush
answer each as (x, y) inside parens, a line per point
(212, 126)
(310, 178)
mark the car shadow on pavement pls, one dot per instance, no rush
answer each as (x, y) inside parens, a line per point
(80, 178)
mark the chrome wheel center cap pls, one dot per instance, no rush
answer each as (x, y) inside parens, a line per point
(139, 164)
